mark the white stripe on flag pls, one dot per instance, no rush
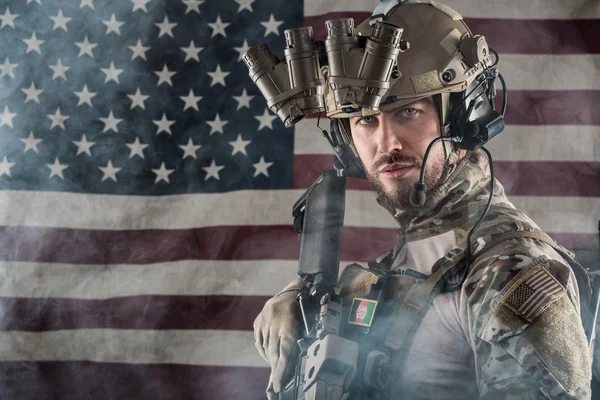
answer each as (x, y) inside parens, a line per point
(251, 207)
(181, 278)
(550, 72)
(199, 347)
(551, 9)
(260, 207)
(515, 143)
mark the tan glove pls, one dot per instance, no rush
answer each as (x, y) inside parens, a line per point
(356, 280)
(276, 330)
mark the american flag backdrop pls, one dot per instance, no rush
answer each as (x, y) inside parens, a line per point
(146, 190)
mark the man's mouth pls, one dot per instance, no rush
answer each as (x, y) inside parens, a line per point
(395, 171)
(395, 166)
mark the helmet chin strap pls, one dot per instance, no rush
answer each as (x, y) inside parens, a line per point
(451, 150)
(451, 158)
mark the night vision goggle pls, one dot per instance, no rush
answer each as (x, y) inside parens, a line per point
(357, 70)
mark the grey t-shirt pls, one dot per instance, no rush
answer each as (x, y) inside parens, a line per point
(441, 362)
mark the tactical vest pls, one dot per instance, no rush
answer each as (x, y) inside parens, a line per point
(399, 316)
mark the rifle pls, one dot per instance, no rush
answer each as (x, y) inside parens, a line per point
(327, 362)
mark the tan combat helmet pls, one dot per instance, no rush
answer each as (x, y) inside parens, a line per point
(443, 56)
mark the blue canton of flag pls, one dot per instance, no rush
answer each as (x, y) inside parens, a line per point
(139, 97)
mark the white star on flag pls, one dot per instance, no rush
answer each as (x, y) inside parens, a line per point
(31, 143)
(109, 171)
(162, 174)
(110, 122)
(191, 101)
(57, 168)
(139, 50)
(8, 19)
(84, 3)
(242, 49)
(83, 146)
(32, 93)
(164, 76)
(6, 117)
(60, 21)
(212, 171)
(218, 76)
(137, 149)
(7, 68)
(85, 47)
(189, 150)
(216, 125)
(266, 120)
(192, 5)
(137, 99)
(245, 5)
(5, 167)
(113, 25)
(261, 167)
(85, 96)
(112, 73)
(60, 70)
(243, 100)
(272, 25)
(239, 145)
(58, 119)
(165, 27)
(140, 5)
(192, 51)
(33, 44)
(164, 125)
(218, 27)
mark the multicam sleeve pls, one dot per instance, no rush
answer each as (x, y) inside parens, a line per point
(528, 335)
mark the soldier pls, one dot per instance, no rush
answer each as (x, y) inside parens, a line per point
(512, 329)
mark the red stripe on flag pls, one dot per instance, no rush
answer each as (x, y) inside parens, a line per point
(215, 243)
(131, 312)
(519, 178)
(517, 36)
(560, 107)
(80, 246)
(85, 380)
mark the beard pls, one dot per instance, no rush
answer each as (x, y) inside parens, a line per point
(397, 197)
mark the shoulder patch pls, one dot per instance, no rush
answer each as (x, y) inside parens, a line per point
(532, 293)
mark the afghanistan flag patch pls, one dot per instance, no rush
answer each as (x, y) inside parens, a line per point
(362, 311)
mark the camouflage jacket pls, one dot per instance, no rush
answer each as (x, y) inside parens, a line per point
(513, 330)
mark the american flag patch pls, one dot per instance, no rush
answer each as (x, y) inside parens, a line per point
(535, 292)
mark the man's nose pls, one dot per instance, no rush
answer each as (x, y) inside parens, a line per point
(388, 137)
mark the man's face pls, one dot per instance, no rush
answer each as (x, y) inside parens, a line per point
(392, 145)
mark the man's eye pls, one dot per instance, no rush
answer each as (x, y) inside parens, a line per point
(409, 111)
(366, 120)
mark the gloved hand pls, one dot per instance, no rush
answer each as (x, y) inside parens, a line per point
(276, 330)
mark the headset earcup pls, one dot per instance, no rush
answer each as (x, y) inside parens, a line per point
(344, 152)
(336, 132)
